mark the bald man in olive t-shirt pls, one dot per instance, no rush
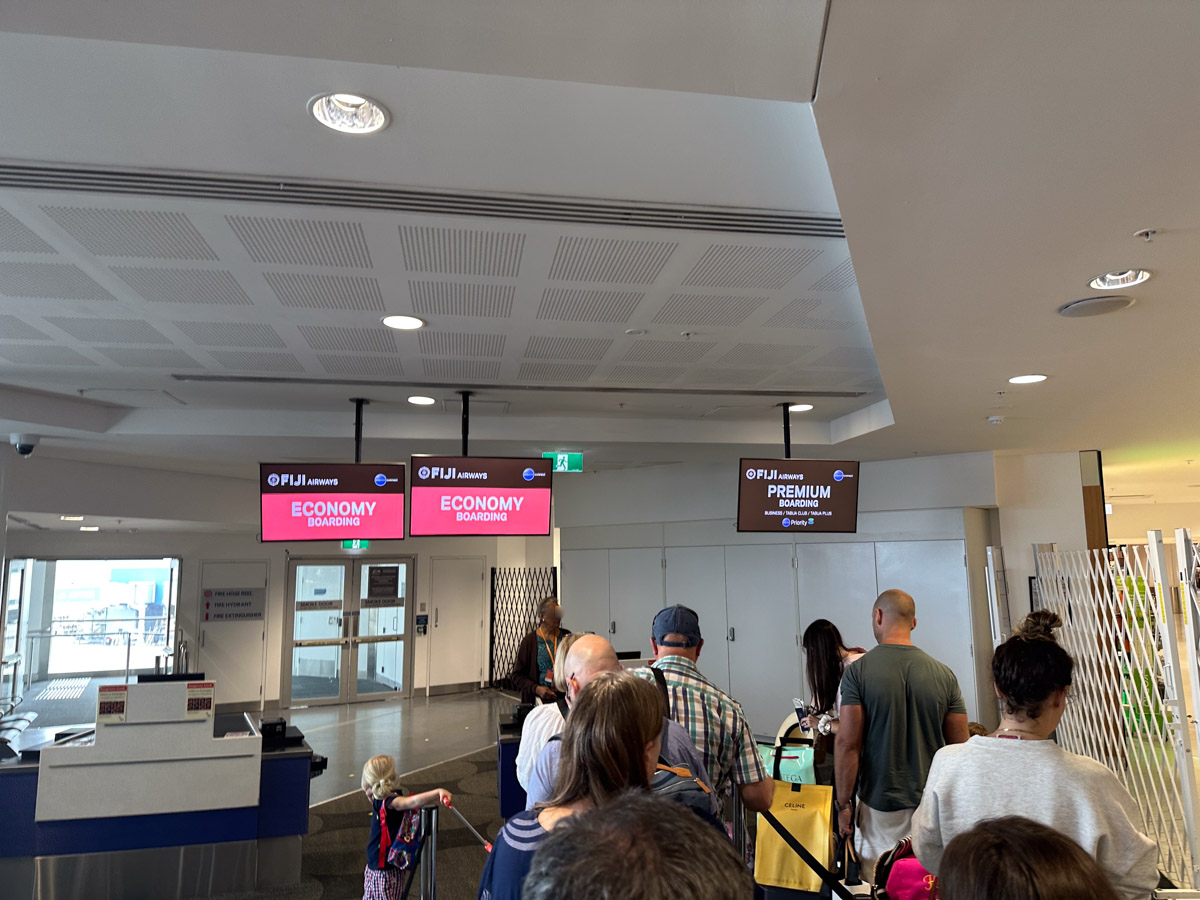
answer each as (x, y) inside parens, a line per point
(899, 707)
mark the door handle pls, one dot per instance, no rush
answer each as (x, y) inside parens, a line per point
(612, 628)
(731, 637)
(435, 617)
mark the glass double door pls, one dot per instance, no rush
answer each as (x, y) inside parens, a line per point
(348, 630)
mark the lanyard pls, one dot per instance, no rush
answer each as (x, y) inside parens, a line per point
(552, 651)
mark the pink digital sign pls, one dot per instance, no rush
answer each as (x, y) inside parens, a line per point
(453, 495)
(327, 502)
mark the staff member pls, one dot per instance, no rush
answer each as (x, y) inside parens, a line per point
(533, 672)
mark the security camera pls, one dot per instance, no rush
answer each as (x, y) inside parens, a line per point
(24, 443)
(995, 420)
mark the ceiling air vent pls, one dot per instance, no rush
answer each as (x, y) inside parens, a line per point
(1095, 306)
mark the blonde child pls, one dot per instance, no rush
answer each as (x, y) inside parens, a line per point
(381, 784)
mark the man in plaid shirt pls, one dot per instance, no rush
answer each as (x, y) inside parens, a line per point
(713, 718)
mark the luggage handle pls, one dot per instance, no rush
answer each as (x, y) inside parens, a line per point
(809, 860)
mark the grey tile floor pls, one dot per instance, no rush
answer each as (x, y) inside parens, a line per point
(417, 732)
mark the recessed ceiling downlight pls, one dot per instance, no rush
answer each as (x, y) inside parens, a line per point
(421, 401)
(1095, 306)
(1115, 281)
(800, 407)
(403, 323)
(1026, 379)
(348, 113)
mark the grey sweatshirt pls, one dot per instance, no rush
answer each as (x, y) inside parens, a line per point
(987, 777)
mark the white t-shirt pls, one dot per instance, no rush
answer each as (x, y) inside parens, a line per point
(987, 777)
(542, 723)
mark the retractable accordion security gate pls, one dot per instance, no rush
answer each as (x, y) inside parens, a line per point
(1129, 708)
(515, 595)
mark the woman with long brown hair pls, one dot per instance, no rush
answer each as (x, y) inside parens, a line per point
(610, 744)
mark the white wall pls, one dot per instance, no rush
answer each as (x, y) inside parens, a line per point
(1129, 522)
(59, 486)
(926, 499)
(689, 493)
(1040, 496)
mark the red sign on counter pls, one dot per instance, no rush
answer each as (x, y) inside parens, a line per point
(303, 502)
(480, 496)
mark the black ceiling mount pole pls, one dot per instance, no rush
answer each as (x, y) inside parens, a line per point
(787, 430)
(359, 403)
(466, 419)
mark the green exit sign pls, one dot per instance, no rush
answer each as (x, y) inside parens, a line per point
(565, 462)
(355, 545)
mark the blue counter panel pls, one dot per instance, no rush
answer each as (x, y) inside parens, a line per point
(283, 796)
(18, 800)
(135, 832)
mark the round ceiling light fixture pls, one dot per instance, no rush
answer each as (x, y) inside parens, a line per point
(800, 407)
(1026, 379)
(403, 323)
(421, 401)
(1095, 306)
(1115, 281)
(348, 113)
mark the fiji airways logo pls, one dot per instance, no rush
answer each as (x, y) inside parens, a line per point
(448, 472)
(288, 479)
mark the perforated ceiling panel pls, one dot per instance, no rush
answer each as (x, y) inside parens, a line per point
(206, 286)
(332, 337)
(14, 329)
(41, 355)
(232, 334)
(361, 365)
(797, 315)
(152, 234)
(667, 351)
(469, 369)
(704, 310)
(261, 361)
(592, 349)
(482, 301)
(847, 358)
(730, 377)
(447, 343)
(763, 355)
(740, 266)
(554, 372)
(459, 251)
(599, 307)
(109, 331)
(840, 279)
(326, 291)
(51, 281)
(16, 238)
(645, 375)
(157, 358)
(609, 260)
(302, 242)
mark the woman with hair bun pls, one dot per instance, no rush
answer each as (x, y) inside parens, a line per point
(1018, 770)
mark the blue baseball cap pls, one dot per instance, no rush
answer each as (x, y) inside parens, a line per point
(677, 620)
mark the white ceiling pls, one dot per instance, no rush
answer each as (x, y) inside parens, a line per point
(987, 158)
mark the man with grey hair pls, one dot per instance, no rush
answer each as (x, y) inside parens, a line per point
(899, 707)
(589, 656)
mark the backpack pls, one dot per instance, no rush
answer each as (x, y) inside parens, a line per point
(399, 850)
(899, 875)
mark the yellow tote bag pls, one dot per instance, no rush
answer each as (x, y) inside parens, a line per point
(806, 811)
